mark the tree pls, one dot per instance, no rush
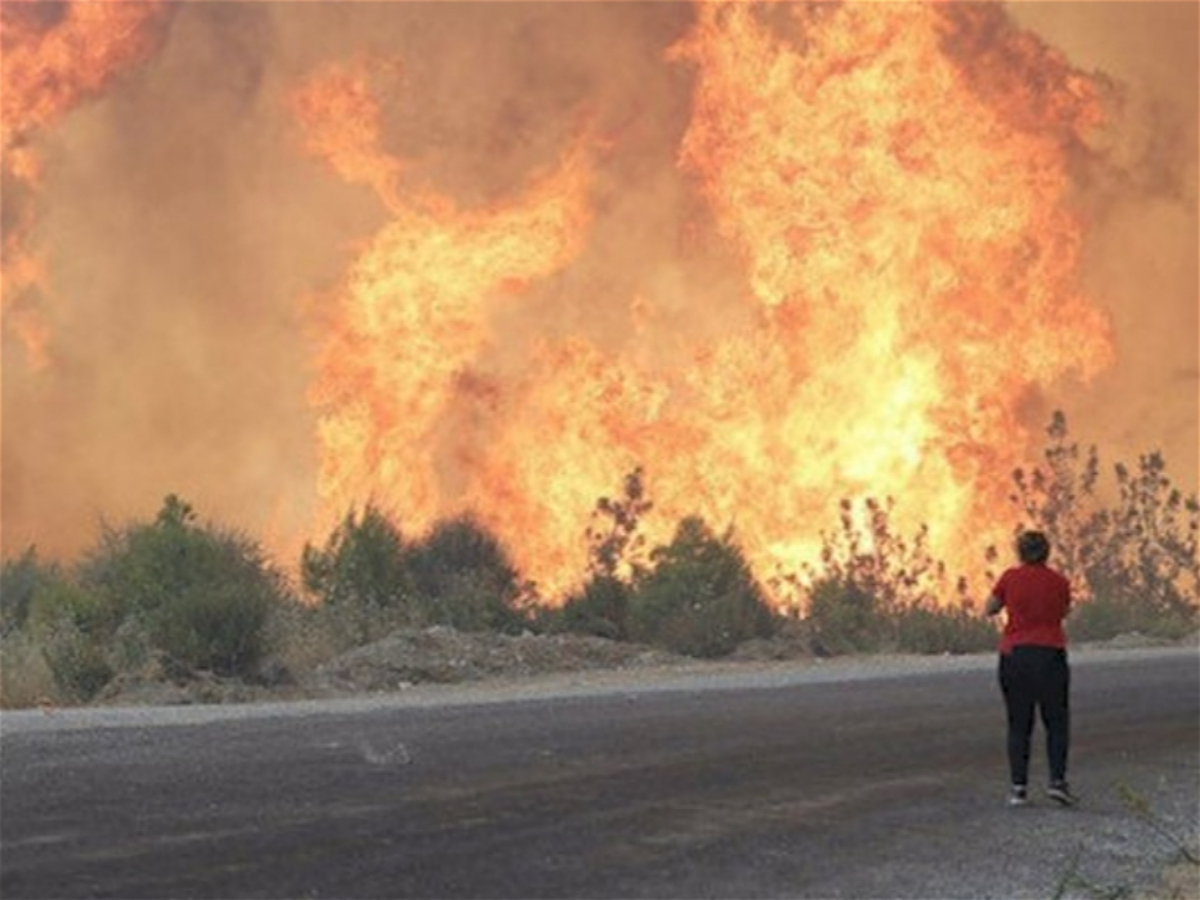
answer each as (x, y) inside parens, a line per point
(462, 577)
(615, 541)
(700, 597)
(362, 565)
(615, 550)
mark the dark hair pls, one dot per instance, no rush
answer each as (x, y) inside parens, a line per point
(1032, 547)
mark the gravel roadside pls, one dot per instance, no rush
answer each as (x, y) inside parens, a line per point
(679, 676)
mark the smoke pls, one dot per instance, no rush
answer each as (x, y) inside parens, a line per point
(191, 245)
(174, 360)
(191, 248)
(1141, 200)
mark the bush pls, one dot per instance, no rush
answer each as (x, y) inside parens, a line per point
(700, 597)
(924, 629)
(462, 577)
(25, 676)
(845, 618)
(361, 572)
(600, 609)
(73, 627)
(19, 581)
(200, 595)
(1103, 618)
(868, 554)
(615, 540)
(78, 662)
(1135, 564)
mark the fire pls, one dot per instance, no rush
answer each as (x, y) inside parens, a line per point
(341, 119)
(894, 179)
(404, 337)
(52, 57)
(905, 227)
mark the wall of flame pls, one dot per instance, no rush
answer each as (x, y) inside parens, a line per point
(489, 258)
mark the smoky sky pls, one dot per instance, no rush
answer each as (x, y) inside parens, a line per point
(190, 244)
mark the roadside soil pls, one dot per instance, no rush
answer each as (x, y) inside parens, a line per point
(443, 656)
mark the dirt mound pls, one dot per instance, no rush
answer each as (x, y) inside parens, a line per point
(443, 655)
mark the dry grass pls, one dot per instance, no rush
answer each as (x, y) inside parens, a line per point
(1179, 881)
(303, 637)
(25, 679)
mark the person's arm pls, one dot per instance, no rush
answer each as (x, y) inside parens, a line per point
(995, 602)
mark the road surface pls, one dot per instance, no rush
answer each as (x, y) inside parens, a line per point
(792, 784)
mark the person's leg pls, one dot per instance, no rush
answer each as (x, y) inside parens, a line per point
(1054, 700)
(1019, 702)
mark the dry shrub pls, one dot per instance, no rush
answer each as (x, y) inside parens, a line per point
(1129, 548)
(25, 676)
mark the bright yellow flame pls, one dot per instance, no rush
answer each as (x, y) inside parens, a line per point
(895, 183)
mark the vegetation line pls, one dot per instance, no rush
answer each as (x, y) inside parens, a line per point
(174, 597)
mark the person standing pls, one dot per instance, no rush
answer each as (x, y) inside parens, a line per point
(1034, 673)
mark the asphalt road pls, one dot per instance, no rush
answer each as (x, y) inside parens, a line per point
(792, 786)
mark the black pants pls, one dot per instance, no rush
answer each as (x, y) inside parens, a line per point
(1036, 678)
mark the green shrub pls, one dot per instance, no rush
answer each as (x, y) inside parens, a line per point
(77, 661)
(1105, 617)
(927, 629)
(462, 577)
(217, 624)
(615, 539)
(361, 573)
(600, 608)
(867, 552)
(25, 676)
(845, 618)
(19, 581)
(700, 597)
(371, 580)
(199, 594)
(73, 626)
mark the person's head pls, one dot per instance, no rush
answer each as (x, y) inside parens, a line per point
(1033, 548)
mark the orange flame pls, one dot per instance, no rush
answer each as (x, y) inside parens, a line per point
(52, 57)
(413, 320)
(894, 180)
(341, 120)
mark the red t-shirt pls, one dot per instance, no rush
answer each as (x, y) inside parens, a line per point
(1036, 599)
